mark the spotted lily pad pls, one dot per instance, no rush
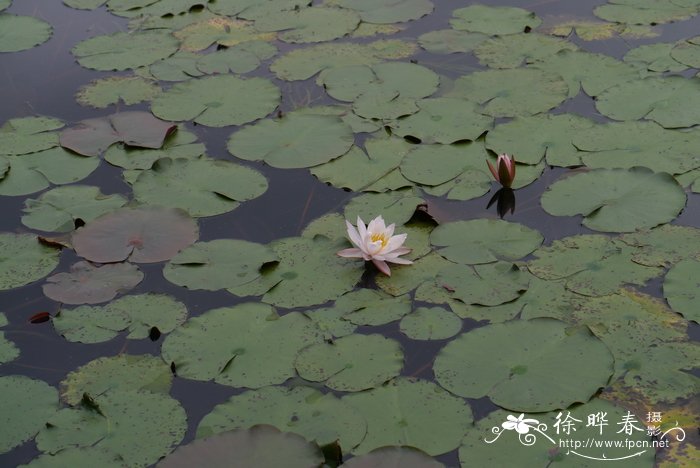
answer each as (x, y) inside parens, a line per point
(8, 350)
(490, 284)
(396, 207)
(248, 345)
(218, 101)
(388, 11)
(664, 245)
(23, 260)
(202, 187)
(112, 90)
(617, 200)
(143, 235)
(430, 323)
(319, 417)
(219, 30)
(680, 289)
(139, 314)
(22, 32)
(122, 51)
(526, 356)
(293, 141)
(88, 284)
(314, 24)
(511, 51)
(494, 20)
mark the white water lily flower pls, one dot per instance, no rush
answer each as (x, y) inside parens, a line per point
(376, 242)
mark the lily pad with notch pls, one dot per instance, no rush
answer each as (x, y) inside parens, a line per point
(89, 284)
(122, 50)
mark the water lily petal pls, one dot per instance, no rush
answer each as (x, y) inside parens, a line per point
(362, 230)
(382, 266)
(395, 242)
(353, 234)
(351, 253)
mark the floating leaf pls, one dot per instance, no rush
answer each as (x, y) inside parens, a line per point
(495, 21)
(114, 89)
(22, 32)
(135, 128)
(509, 93)
(645, 11)
(57, 210)
(411, 412)
(139, 427)
(248, 345)
(396, 207)
(142, 235)
(260, 445)
(513, 50)
(122, 51)
(484, 240)
(241, 58)
(8, 350)
(88, 284)
(526, 356)
(664, 245)
(26, 405)
(293, 141)
(28, 135)
(654, 57)
(305, 25)
(680, 289)
(178, 144)
(431, 165)
(84, 456)
(252, 9)
(616, 200)
(449, 41)
(202, 187)
(122, 372)
(218, 101)
(490, 284)
(371, 307)
(330, 321)
(24, 260)
(430, 323)
(403, 280)
(219, 30)
(407, 457)
(388, 11)
(319, 417)
(351, 363)
(138, 313)
(180, 66)
(218, 264)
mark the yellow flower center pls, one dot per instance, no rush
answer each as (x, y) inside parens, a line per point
(379, 238)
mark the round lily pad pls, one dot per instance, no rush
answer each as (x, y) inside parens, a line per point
(143, 235)
(241, 58)
(645, 11)
(201, 187)
(388, 11)
(259, 446)
(83, 456)
(114, 89)
(450, 41)
(26, 405)
(23, 259)
(314, 24)
(121, 50)
(514, 50)
(411, 412)
(202, 33)
(526, 357)
(293, 141)
(218, 101)
(491, 284)
(484, 240)
(22, 32)
(319, 417)
(88, 284)
(395, 207)
(372, 307)
(430, 323)
(352, 363)
(248, 345)
(218, 264)
(431, 165)
(654, 57)
(616, 200)
(495, 21)
(681, 288)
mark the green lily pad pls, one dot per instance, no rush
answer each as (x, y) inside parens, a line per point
(24, 260)
(252, 9)
(527, 355)
(430, 323)
(431, 165)
(671, 101)
(484, 240)
(306, 25)
(404, 280)
(59, 208)
(4, 4)
(260, 446)
(178, 144)
(407, 457)
(490, 284)
(26, 405)
(293, 282)
(202, 187)
(449, 41)
(293, 141)
(645, 11)
(241, 58)
(248, 345)
(218, 101)
(84, 456)
(470, 184)
(372, 307)
(33, 172)
(510, 93)
(8, 350)
(28, 135)
(319, 417)
(411, 412)
(352, 363)
(115, 89)
(388, 11)
(616, 200)
(122, 372)
(680, 289)
(136, 128)
(495, 21)
(84, 4)
(395, 207)
(665, 245)
(88, 284)
(180, 66)
(530, 138)
(687, 52)
(513, 50)
(219, 30)
(142, 235)
(654, 57)
(22, 32)
(301, 64)
(443, 120)
(130, 8)
(139, 314)
(140, 427)
(218, 264)
(331, 323)
(122, 51)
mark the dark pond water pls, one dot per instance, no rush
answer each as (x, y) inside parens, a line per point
(44, 80)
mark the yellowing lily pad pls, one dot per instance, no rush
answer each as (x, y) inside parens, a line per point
(112, 90)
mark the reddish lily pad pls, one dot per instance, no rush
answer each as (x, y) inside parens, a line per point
(89, 284)
(92, 136)
(143, 235)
